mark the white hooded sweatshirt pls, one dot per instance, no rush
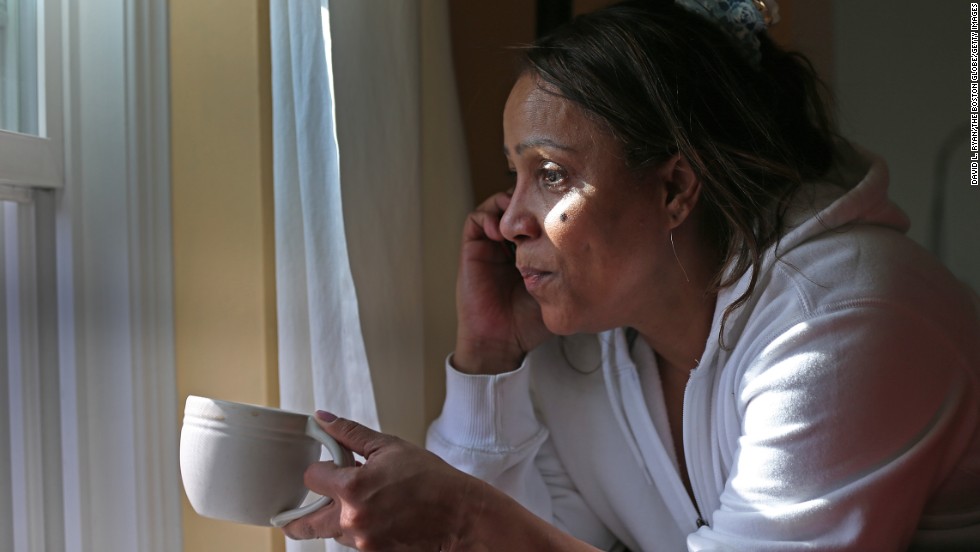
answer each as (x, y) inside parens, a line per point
(843, 413)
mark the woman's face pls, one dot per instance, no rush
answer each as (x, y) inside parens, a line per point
(590, 232)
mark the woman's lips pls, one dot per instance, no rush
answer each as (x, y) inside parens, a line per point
(533, 278)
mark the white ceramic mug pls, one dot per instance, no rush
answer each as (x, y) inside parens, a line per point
(245, 463)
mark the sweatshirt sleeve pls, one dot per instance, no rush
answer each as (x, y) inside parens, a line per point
(849, 420)
(488, 429)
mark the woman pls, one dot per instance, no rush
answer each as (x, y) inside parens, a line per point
(708, 332)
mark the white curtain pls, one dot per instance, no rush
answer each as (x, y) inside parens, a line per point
(371, 189)
(322, 361)
(321, 352)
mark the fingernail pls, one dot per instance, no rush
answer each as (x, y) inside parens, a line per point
(325, 416)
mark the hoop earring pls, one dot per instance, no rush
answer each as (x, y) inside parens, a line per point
(674, 249)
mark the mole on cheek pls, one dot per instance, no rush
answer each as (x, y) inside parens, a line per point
(563, 217)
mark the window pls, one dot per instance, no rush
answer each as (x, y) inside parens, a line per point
(18, 66)
(30, 98)
(30, 171)
(30, 514)
(87, 441)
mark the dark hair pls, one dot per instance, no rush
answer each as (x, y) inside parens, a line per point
(667, 81)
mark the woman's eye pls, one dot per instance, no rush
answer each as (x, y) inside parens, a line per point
(552, 175)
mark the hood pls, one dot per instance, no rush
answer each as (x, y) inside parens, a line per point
(837, 202)
(855, 192)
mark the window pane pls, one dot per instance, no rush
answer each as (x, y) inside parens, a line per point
(18, 66)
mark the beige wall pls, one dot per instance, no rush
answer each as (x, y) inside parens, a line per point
(222, 222)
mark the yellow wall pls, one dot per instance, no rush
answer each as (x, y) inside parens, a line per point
(224, 283)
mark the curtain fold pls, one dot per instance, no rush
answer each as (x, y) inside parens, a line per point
(322, 361)
(371, 189)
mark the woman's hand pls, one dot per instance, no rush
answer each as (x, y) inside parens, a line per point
(498, 321)
(406, 499)
(402, 498)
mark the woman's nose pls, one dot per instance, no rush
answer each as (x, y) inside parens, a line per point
(519, 222)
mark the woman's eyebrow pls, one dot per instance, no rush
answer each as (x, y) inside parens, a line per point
(537, 142)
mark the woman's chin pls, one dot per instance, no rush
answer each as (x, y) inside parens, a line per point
(558, 325)
(565, 323)
(561, 323)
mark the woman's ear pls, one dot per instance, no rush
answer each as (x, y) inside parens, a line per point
(682, 186)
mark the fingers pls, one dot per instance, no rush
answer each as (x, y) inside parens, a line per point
(497, 203)
(321, 524)
(481, 225)
(484, 221)
(326, 478)
(352, 435)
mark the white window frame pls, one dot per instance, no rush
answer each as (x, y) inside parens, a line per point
(31, 513)
(38, 161)
(99, 400)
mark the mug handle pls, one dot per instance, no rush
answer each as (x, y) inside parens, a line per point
(341, 456)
